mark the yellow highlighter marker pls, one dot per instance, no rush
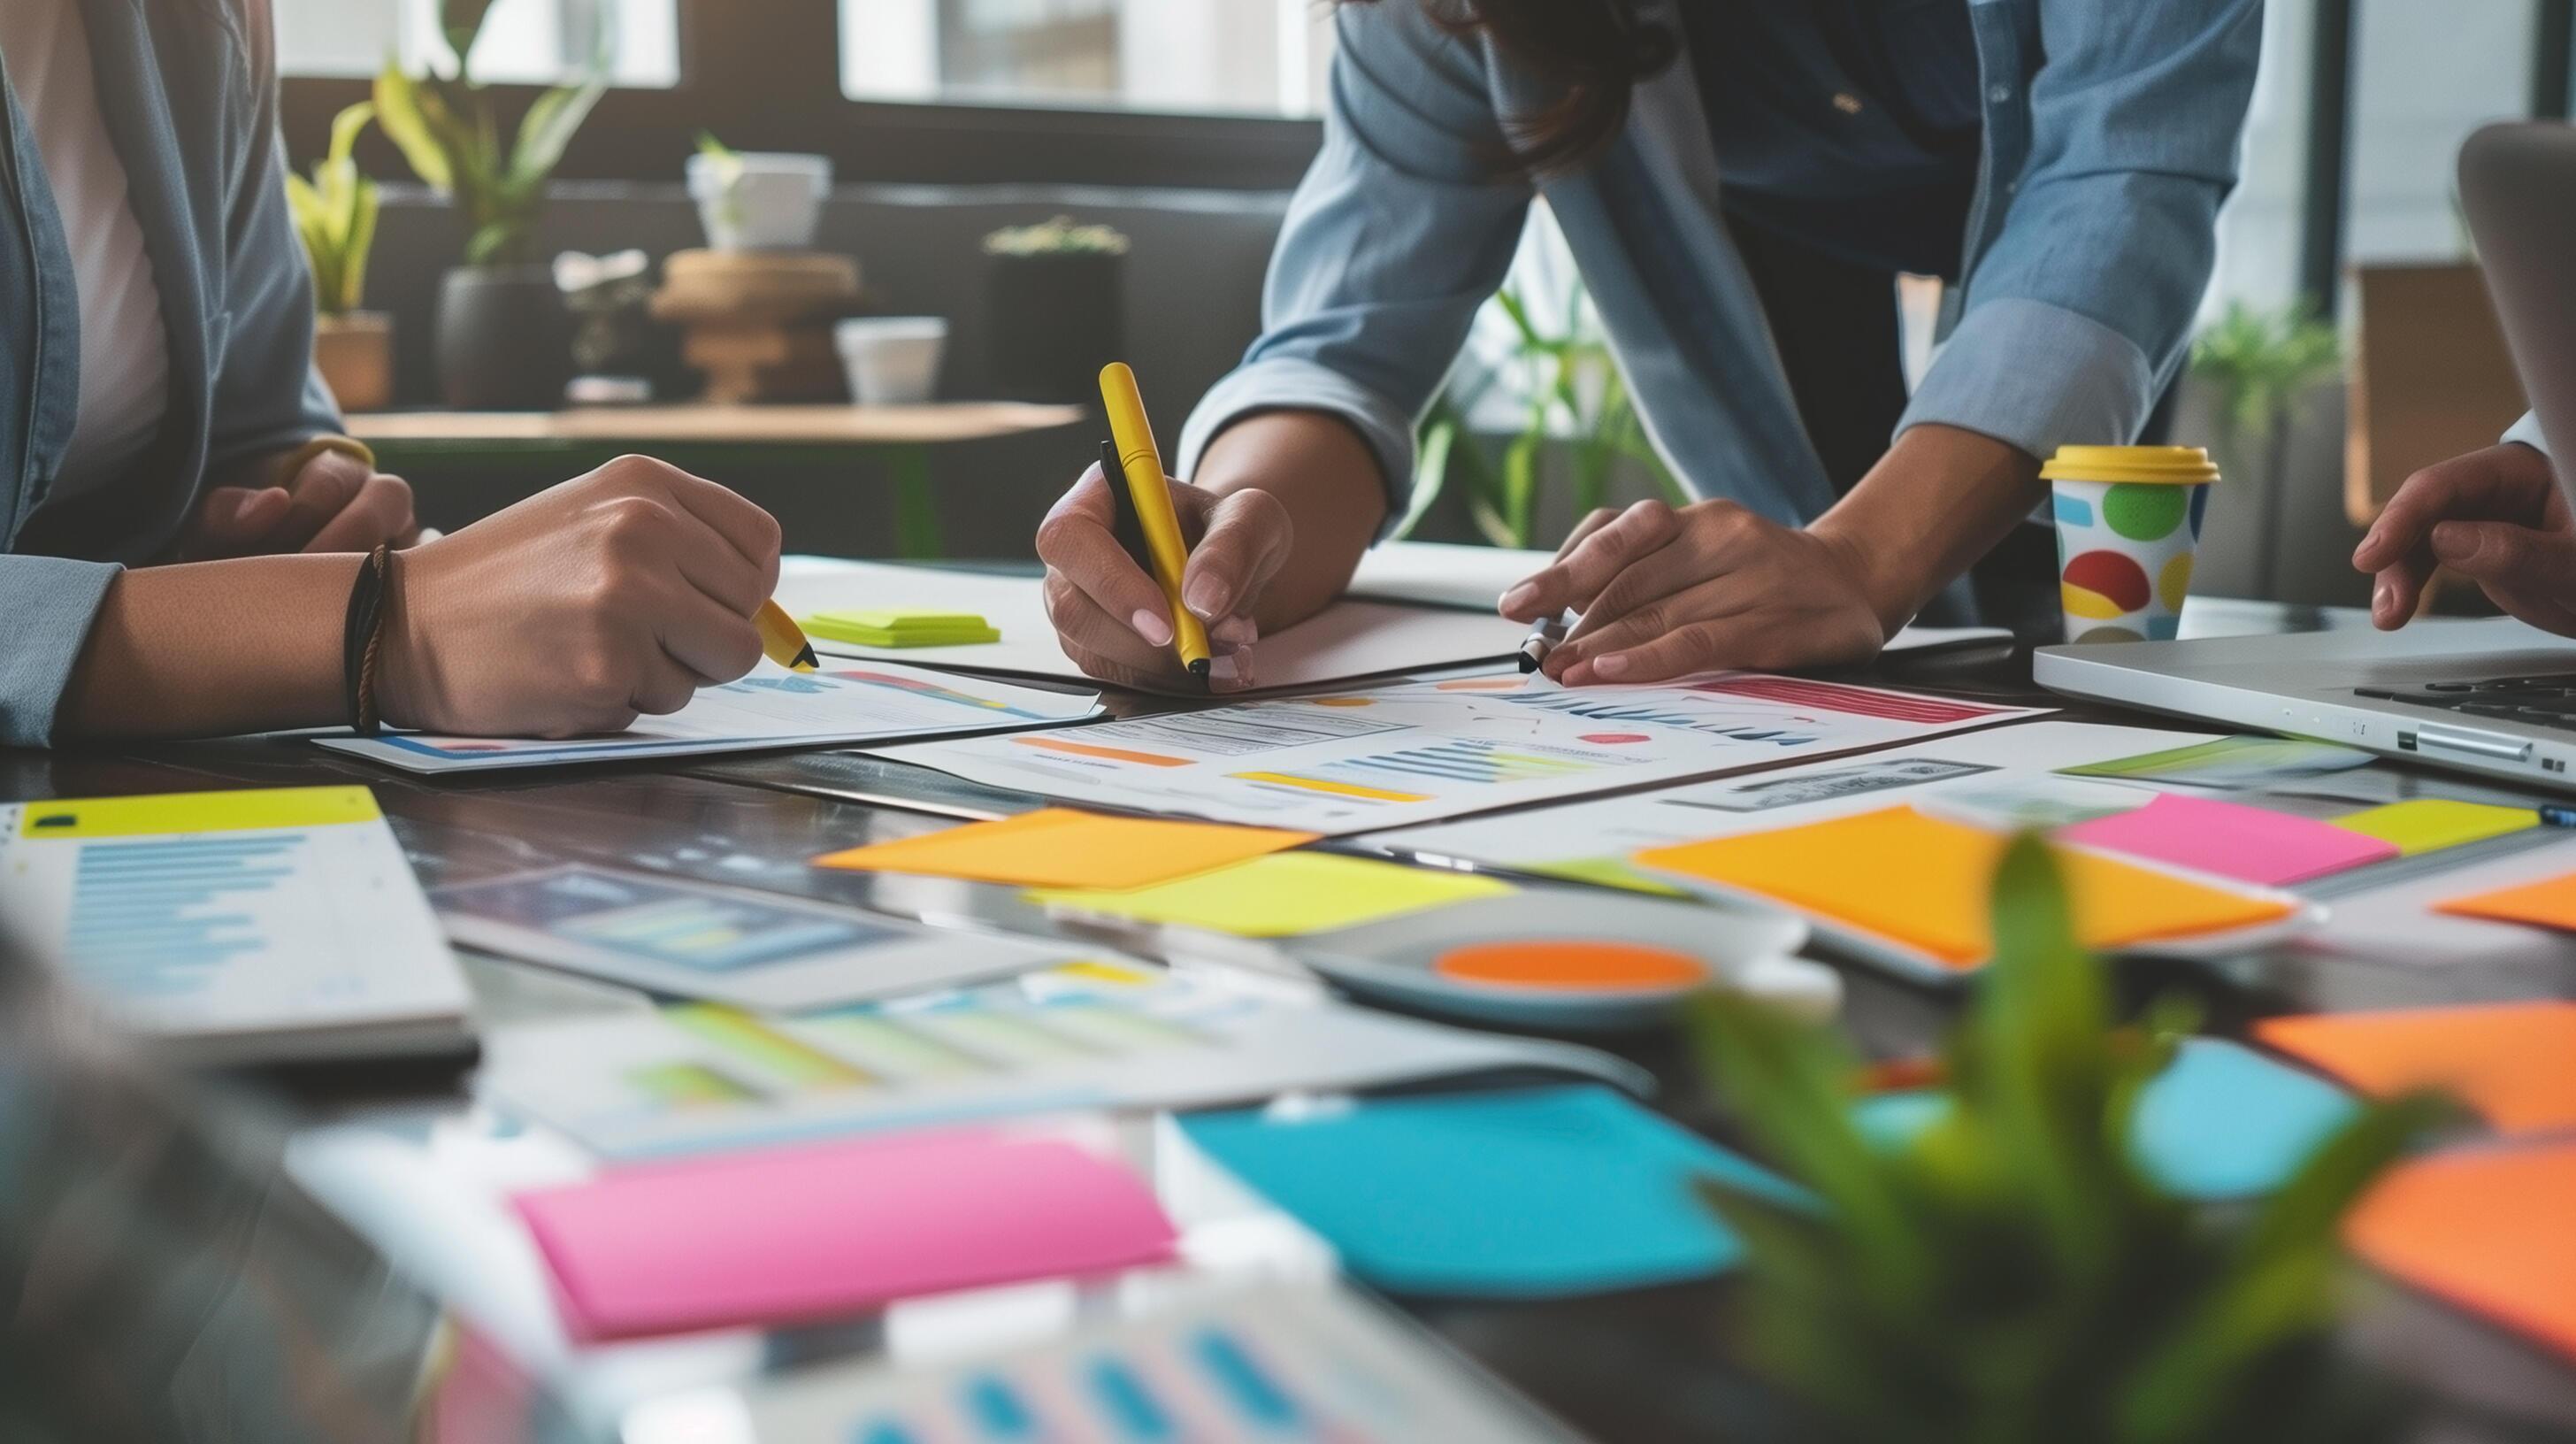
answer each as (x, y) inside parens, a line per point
(1143, 464)
(781, 640)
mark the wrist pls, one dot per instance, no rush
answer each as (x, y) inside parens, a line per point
(1890, 583)
(407, 685)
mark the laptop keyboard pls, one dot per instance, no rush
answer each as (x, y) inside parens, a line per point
(2533, 701)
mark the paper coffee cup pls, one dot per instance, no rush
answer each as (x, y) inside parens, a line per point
(2128, 522)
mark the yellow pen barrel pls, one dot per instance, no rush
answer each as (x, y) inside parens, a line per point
(1143, 461)
(781, 640)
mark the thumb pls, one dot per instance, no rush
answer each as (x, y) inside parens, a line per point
(230, 518)
(2497, 551)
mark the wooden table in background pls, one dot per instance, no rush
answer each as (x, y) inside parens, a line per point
(903, 434)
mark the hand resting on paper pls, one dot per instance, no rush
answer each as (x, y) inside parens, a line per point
(1667, 591)
(1110, 613)
(333, 503)
(614, 594)
(2494, 516)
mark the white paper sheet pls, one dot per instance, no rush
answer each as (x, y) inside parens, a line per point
(1348, 640)
(1419, 751)
(688, 939)
(1998, 777)
(773, 707)
(1444, 574)
(1088, 1035)
(1278, 1362)
(306, 939)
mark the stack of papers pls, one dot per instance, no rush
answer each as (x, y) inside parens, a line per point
(901, 627)
(240, 927)
(772, 707)
(1086, 1035)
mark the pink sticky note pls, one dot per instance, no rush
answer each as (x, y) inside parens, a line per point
(779, 1235)
(2231, 840)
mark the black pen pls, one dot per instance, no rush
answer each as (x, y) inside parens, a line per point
(1542, 640)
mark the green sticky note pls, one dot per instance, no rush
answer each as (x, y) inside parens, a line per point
(901, 627)
(2429, 824)
(1283, 895)
(1606, 872)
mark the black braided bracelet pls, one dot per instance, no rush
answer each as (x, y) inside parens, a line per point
(359, 638)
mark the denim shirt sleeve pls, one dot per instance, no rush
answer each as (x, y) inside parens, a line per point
(2076, 318)
(50, 603)
(267, 397)
(1400, 230)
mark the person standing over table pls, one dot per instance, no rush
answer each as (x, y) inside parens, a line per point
(183, 532)
(1740, 182)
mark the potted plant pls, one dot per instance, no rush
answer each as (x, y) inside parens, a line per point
(2259, 367)
(504, 337)
(2008, 1273)
(757, 200)
(1058, 308)
(335, 214)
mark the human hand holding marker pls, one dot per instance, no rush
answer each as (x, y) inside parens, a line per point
(1115, 619)
(1665, 592)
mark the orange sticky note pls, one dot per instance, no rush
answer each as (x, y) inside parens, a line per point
(1059, 847)
(2486, 1229)
(2513, 1062)
(1927, 882)
(2549, 904)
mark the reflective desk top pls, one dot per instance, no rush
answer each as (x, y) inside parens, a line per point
(1637, 1365)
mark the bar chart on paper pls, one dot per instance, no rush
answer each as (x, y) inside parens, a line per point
(241, 916)
(1277, 1362)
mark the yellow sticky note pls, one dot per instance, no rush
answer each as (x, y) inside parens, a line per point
(198, 812)
(1285, 894)
(2429, 824)
(1928, 883)
(1062, 847)
(1606, 872)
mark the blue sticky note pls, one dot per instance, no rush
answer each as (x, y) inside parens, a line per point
(1523, 1193)
(2223, 1122)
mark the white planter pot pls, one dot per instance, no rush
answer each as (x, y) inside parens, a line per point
(892, 360)
(759, 200)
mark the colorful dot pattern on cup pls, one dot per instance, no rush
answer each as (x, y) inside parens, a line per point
(2125, 556)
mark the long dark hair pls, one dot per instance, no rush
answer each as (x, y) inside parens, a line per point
(1592, 53)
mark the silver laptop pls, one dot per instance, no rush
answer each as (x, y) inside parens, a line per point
(2494, 697)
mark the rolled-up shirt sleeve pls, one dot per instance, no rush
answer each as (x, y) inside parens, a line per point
(1401, 228)
(50, 603)
(2077, 317)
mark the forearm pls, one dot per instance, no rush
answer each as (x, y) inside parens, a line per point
(1331, 485)
(213, 648)
(1939, 500)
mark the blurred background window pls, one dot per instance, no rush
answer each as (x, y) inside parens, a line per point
(534, 42)
(1213, 57)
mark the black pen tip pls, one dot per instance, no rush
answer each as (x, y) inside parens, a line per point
(1201, 668)
(806, 659)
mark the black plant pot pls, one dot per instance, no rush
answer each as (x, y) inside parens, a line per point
(1057, 319)
(504, 339)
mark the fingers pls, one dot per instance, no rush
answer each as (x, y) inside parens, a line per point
(1248, 537)
(1575, 579)
(2509, 483)
(379, 514)
(2530, 573)
(1708, 600)
(1077, 545)
(323, 489)
(714, 643)
(232, 520)
(1593, 520)
(720, 572)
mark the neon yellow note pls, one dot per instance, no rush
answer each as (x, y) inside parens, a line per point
(2429, 824)
(1284, 894)
(902, 627)
(198, 812)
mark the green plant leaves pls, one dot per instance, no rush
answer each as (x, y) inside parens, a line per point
(2009, 1274)
(447, 132)
(335, 216)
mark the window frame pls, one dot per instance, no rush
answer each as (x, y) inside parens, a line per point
(766, 75)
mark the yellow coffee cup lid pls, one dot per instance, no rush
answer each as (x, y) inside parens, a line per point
(2180, 465)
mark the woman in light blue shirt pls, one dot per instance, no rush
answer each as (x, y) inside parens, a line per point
(187, 547)
(1740, 182)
